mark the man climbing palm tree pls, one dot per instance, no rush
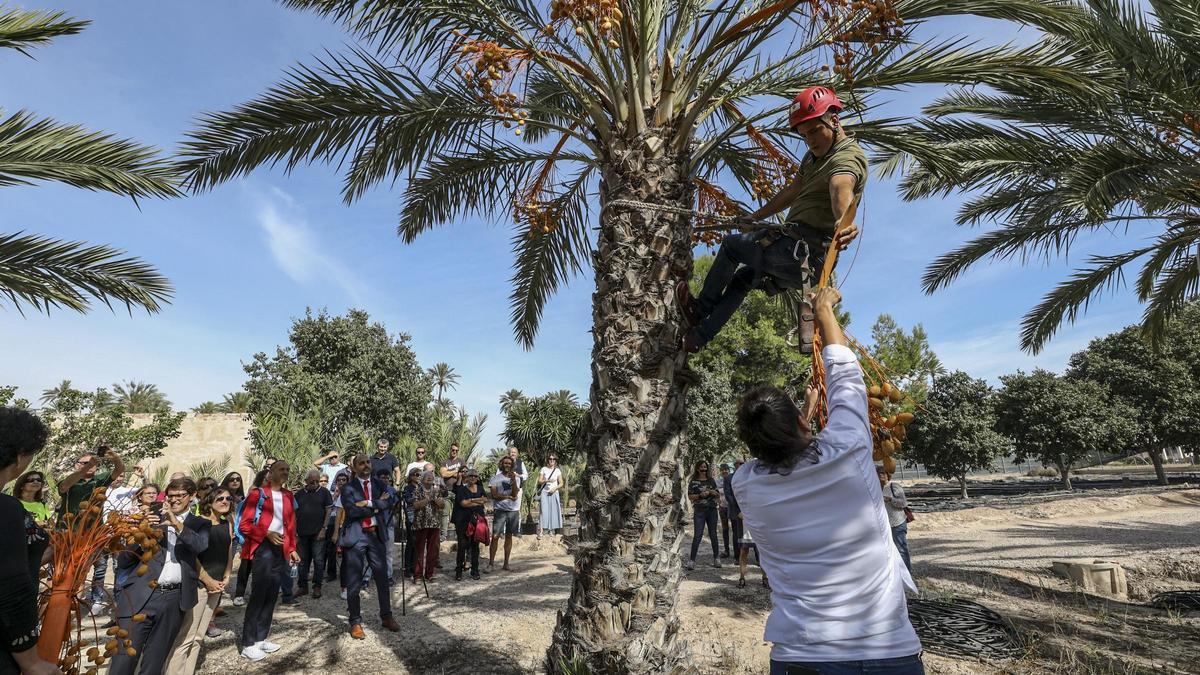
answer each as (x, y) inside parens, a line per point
(831, 178)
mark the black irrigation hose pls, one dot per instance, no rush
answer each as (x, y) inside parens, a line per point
(963, 628)
(1187, 601)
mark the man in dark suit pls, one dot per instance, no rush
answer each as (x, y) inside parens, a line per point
(166, 590)
(364, 501)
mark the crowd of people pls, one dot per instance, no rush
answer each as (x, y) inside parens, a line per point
(251, 543)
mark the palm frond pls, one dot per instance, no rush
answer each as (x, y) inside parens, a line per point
(45, 273)
(32, 150)
(22, 29)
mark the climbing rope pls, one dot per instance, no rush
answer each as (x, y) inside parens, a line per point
(1177, 601)
(963, 628)
(692, 213)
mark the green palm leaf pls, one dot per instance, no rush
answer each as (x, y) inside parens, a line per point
(45, 273)
(21, 29)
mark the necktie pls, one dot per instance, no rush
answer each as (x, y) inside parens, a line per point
(368, 522)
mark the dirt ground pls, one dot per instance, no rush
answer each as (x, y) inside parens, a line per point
(996, 556)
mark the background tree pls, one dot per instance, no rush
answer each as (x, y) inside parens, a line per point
(907, 357)
(1162, 390)
(1059, 420)
(347, 368)
(712, 415)
(508, 398)
(50, 396)
(207, 408)
(80, 424)
(955, 433)
(444, 378)
(1118, 154)
(640, 103)
(547, 424)
(237, 402)
(42, 272)
(139, 397)
(8, 396)
(284, 431)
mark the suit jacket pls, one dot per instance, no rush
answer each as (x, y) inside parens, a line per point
(134, 591)
(352, 493)
(260, 503)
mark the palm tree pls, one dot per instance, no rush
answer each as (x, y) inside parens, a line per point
(139, 397)
(1119, 155)
(51, 396)
(647, 104)
(510, 398)
(237, 402)
(42, 272)
(207, 408)
(444, 378)
(563, 396)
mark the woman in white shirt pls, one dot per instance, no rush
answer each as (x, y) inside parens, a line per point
(814, 508)
(550, 482)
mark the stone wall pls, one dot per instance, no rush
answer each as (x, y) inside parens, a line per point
(204, 437)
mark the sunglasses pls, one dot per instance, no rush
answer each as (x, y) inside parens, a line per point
(34, 480)
(233, 478)
(223, 499)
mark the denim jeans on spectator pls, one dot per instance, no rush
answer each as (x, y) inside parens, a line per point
(904, 665)
(99, 569)
(700, 518)
(900, 536)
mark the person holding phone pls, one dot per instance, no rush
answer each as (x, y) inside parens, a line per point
(813, 505)
(75, 489)
(702, 492)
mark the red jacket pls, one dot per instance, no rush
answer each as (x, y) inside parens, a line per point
(257, 516)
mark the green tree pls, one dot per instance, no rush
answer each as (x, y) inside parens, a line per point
(444, 378)
(509, 398)
(907, 357)
(8, 396)
(1059, 420)
(43, 272)
(207, 408)
(652, 103)
(544, 425)
(80, 424)
(349, 369)
(285, 432)
(237, 402)
(139, 397)
(1063, 161)
(712, 415)
(50, 396)
(955, 433)
(1162, 390)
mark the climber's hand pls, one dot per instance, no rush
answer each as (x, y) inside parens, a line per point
(845, 236)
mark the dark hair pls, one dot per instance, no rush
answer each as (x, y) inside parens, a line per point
(382, 473)
(767, 422)
(19, 486)
(21, 433)
(240, 493)
(184, 483)
(207, 502)
(200, 483)
(454, 445)
(259, 478)
(510, 460)
(696, 469)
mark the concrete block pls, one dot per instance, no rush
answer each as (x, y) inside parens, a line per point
(1095, 576)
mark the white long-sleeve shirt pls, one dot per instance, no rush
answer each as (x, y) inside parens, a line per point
(837, 582)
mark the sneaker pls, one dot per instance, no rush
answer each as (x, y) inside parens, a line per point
(691, 342)
(691, 564)
(344, 594)
(267, 646)
(238, 602)
(253, 653)
(97, 609)
(213, 632)
(717, 562)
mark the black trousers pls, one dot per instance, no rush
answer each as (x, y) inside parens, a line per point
(735, 524)
(331, 566)
(368, 551)
(267, 569)
(725, 528)
(243, 578)
(312, 551)
(466, 547)
(152, 638)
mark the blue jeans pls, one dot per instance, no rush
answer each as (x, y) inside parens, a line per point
(702, 517)
(740, 266)
(99, 569)
(900, 536)
(904, 665)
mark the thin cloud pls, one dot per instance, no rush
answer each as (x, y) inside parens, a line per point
(296, 250)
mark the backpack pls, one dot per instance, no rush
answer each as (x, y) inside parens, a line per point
(478, 530)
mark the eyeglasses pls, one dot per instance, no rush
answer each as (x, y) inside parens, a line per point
(177, 497)
(34, 480)
(223, 499)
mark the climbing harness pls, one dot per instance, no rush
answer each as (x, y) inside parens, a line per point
(963, 628)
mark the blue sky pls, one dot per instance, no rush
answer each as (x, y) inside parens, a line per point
(250, 255)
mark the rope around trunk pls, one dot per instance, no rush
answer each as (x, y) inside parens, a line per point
(692, 213)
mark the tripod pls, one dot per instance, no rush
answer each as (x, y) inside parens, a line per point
(403, 560)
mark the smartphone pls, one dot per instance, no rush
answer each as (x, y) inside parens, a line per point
(102, 451)
(156, 508)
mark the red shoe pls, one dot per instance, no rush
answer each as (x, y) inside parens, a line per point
(687, 304)
(690, 342)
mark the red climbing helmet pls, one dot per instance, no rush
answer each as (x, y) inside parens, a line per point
(811, 104)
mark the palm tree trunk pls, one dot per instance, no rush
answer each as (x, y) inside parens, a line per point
(621, 615)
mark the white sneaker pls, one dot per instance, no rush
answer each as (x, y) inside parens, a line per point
(97, 608)
(691, 564)
(344, 594)
(268, 646)
(238, 602)
(253, 653)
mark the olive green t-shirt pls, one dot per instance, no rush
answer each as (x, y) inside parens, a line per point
(813, 206)
(80, 492)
